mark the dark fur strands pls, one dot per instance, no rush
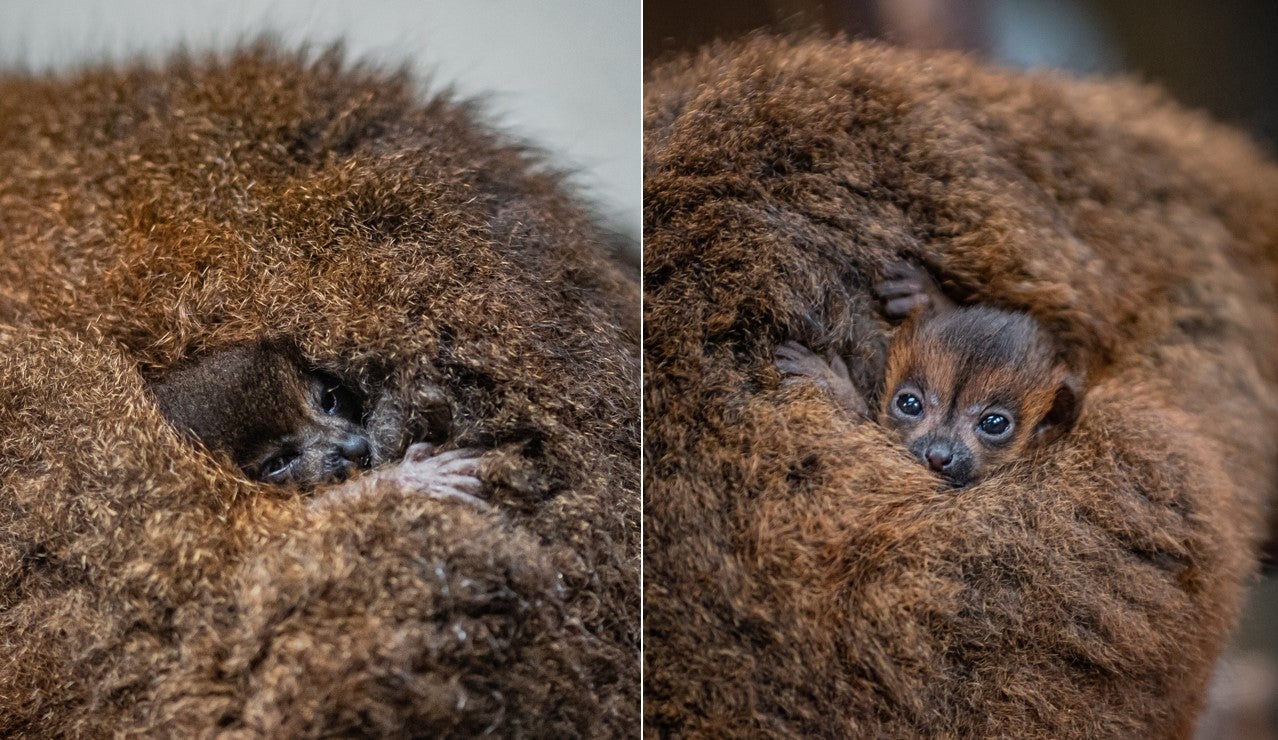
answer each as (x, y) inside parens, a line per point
(151, 213)
(803, 576)
(988, 337)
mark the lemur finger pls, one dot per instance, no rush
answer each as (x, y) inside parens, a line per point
(427, 481)
(838, 366)
(419, 452)
(900, 308)
(458, 453)
(898, 288)
(459, 481)
(468, 465)
(805, 368)
(792, 350)
(460, 496)
(467, 483)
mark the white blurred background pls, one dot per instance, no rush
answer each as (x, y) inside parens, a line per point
(564, 74)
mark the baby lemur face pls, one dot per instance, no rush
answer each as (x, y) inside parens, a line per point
(971, 389)
(968, 389)
(279, 422)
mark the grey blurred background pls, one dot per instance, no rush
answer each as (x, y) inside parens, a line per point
(564, 74)
(1218, 56)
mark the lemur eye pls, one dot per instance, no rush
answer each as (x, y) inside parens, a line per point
(909, 404)
(995, 425)
(277, 467)
(330, 401)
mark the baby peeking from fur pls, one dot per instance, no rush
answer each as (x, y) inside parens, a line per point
(280, 423)
(969, 389)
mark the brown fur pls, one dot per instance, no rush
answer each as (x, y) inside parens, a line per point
(149, 214)
(803, 575)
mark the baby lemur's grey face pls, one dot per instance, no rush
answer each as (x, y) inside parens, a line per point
(315, 437)
(277, 421)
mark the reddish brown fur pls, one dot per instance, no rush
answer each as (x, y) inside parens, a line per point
(150, 213)
(804, 576)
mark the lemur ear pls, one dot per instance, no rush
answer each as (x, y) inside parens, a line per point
(1066, 404)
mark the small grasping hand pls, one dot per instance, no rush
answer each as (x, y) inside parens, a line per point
(800, 364)
(451, 475)
(906, 290)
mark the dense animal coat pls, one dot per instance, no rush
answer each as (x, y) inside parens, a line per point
(149, 214)
(804, 576)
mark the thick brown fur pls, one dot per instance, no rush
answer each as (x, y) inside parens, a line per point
(803, 575)
(148, 214)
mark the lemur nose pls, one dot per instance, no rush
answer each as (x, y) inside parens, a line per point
(938, 456)
(356, 449)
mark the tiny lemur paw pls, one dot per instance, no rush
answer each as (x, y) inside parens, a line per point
(451, 475)
(798, 364)
(903, 291)
(796, 361)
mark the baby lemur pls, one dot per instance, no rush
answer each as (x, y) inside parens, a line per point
(277, 421)
(969, 389)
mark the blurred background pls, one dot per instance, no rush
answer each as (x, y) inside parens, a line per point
(1217, 56)
(564, 74)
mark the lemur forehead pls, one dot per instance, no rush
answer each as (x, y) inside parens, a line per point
(988, 335)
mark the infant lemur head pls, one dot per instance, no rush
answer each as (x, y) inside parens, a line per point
(972, 389)
(278, 421)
